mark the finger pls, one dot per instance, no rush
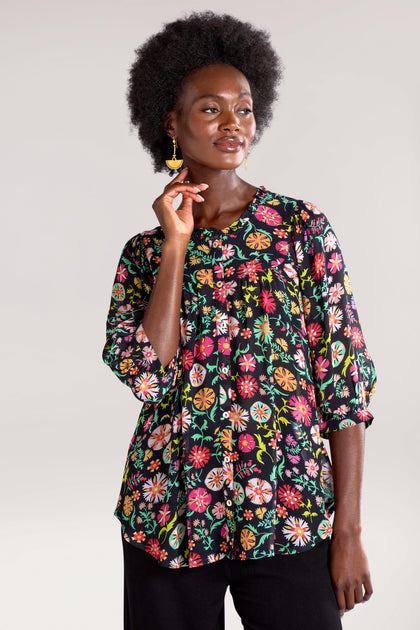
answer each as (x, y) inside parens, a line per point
(349, 595)
(180, 175)
(368, 588)
(358, 594)
(341, 601)
(194, 196)
(181, 188)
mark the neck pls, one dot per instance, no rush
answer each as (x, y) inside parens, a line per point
(227, 193)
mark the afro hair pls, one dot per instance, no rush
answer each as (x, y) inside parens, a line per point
(168, 57)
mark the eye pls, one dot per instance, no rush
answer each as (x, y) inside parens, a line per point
(245, 110)
(211, 110)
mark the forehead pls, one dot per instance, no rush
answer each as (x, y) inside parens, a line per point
(215, 79)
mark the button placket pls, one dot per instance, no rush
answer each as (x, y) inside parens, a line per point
(227, 463)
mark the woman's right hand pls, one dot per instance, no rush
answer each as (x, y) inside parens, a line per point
(178, 224)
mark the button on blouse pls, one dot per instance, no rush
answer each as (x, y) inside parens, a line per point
(228, 457)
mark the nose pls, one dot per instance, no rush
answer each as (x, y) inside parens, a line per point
(230, 122)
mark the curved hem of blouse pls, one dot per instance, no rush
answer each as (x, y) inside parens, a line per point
(222, 555)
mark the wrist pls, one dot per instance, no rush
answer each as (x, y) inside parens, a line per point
(175, 247)
(346, 531)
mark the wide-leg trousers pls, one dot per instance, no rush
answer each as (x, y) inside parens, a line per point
(282, 592)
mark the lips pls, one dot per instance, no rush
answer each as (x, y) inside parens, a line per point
(229, 144)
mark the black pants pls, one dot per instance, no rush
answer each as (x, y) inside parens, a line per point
(281, 592)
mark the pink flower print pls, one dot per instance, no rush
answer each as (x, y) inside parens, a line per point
(301, 409)
(357, 337)
(204, 347)
(122, 273)
(199, 499)
(335, 263)
(268, 215)
(267, 301)
(335, 291)
(282, 247)
(247, 363)
(318, 266)
(321, 367)
(246, 443)
(314, 332)
(223, 345)
(164, 514)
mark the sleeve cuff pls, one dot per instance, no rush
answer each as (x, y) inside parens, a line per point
(335, 422)
(152, 381)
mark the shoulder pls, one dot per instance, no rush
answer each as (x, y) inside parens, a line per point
(145, 245)
(301, 215)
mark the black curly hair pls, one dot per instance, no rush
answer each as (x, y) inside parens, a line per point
(167, 58)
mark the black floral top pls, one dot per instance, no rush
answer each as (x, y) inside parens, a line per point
(228, 458)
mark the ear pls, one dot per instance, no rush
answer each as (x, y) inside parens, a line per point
(170, 124)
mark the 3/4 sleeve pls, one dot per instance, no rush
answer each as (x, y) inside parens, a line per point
(343, 371)
(128, 351)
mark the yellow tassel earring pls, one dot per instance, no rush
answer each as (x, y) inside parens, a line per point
(246, 162)
(174, 164)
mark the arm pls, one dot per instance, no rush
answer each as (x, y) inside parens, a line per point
(348, 561)
(142, 345)
(161, 318)
(344, 380)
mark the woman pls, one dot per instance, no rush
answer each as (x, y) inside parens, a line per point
(234, 323)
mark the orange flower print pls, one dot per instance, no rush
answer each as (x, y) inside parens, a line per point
(258, 490)
(160, 437)
(297, 530)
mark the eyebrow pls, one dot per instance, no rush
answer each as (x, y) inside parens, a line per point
(241, 95)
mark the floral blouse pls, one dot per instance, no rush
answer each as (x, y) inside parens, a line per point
(228, 457)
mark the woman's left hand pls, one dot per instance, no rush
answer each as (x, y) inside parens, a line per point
(349, 571)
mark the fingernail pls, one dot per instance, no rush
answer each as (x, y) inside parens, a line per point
(206, 185)
(197, 189)
(200, 197)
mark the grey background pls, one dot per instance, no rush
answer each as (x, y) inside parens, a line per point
(77, 185)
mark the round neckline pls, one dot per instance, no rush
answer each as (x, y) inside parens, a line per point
(242, 219)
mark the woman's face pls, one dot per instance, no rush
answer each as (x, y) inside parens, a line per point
(214, 122)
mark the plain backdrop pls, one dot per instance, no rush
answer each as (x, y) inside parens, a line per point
(77, 184)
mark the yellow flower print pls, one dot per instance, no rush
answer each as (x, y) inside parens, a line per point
(306, 306)
(128, 505)
(205, 276)
(204, 398)
(282, 343)
(347, 284)
(126, 365)
(258, 240)
(285, 379)
(247, 538)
